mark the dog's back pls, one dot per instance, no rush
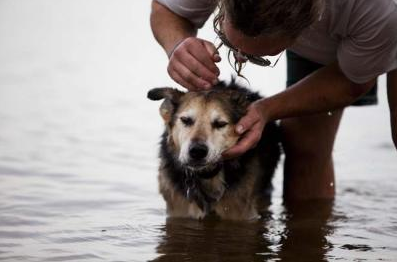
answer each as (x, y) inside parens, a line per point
(194, 180)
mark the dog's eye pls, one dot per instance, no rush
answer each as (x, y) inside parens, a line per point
(218, 124)
(187, 121)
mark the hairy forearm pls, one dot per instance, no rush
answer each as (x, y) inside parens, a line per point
(168, 28)
(325, 90)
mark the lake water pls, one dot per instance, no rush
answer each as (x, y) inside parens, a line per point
(78, 153)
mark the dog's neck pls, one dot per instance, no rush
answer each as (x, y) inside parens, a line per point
(204, 173)
(205, 191)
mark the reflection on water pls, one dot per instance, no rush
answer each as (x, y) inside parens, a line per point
(307, 226)
(298, 234)
(78, 154)
(212, 240)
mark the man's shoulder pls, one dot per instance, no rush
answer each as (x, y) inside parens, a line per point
(197, 11)
(352, 17)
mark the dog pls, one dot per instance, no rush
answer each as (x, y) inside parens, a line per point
(193, 178)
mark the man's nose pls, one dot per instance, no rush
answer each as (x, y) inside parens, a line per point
(239, 57)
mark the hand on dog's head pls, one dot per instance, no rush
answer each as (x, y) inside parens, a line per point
(206, 118)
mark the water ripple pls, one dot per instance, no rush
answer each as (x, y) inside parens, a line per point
(73, 258)
(12, 221)
(18, 234)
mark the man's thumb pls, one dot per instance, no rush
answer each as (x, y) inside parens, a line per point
(244, 124)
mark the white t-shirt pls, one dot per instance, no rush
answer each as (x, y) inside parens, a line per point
(360, 34)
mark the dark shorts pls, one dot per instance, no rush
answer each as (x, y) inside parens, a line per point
(299, 67)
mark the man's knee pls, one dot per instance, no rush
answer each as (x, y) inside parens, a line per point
(307, 147)
(310, 138)
(310, 157)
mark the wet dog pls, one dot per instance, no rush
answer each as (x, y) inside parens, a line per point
(194, 179)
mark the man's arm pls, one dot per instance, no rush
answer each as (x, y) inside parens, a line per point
(324, 90)
(168, 28)
(392, 97)
(192, 60)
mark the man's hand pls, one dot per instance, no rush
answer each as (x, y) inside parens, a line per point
(192, 64)
(250, 127)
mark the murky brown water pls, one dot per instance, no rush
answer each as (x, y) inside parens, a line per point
(78, 154)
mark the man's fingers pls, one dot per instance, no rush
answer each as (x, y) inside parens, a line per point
(245, 123)
(240, 148)
(200, 70)
(205, 56)
(248, 141)
(233, 152)
(194, 64)
(191, 77)
(250, 127)
(180, 80)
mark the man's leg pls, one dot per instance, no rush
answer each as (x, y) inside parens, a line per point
(308, 167)
(392, 97)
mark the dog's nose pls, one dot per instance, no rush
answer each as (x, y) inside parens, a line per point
(198, 151)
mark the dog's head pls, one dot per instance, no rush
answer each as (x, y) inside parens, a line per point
(200, 125)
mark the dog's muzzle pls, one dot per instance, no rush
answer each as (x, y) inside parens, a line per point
(198, 162)
(198, 151)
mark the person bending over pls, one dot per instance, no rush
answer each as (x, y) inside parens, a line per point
(335, 52)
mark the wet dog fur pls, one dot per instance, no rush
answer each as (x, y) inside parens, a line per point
(193, 178)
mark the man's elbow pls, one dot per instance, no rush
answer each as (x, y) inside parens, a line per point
(156, 6)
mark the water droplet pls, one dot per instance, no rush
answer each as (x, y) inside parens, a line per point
(188, 193)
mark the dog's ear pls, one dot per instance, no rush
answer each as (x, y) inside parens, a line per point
(159, 93)
(172, 98)
(239, 102)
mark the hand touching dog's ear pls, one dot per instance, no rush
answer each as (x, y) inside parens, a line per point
(171, 96)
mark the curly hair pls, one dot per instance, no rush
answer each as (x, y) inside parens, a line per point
(270, 17)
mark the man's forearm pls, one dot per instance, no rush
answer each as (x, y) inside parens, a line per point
(393, 124)
(325, 90)
(392, 98)
(168, 28)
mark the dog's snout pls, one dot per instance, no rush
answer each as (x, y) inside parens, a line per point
(198, 151)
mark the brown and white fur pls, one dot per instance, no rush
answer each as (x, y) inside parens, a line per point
(194, 179)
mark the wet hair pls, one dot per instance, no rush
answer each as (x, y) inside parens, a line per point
(275, 18)
(287, 18)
